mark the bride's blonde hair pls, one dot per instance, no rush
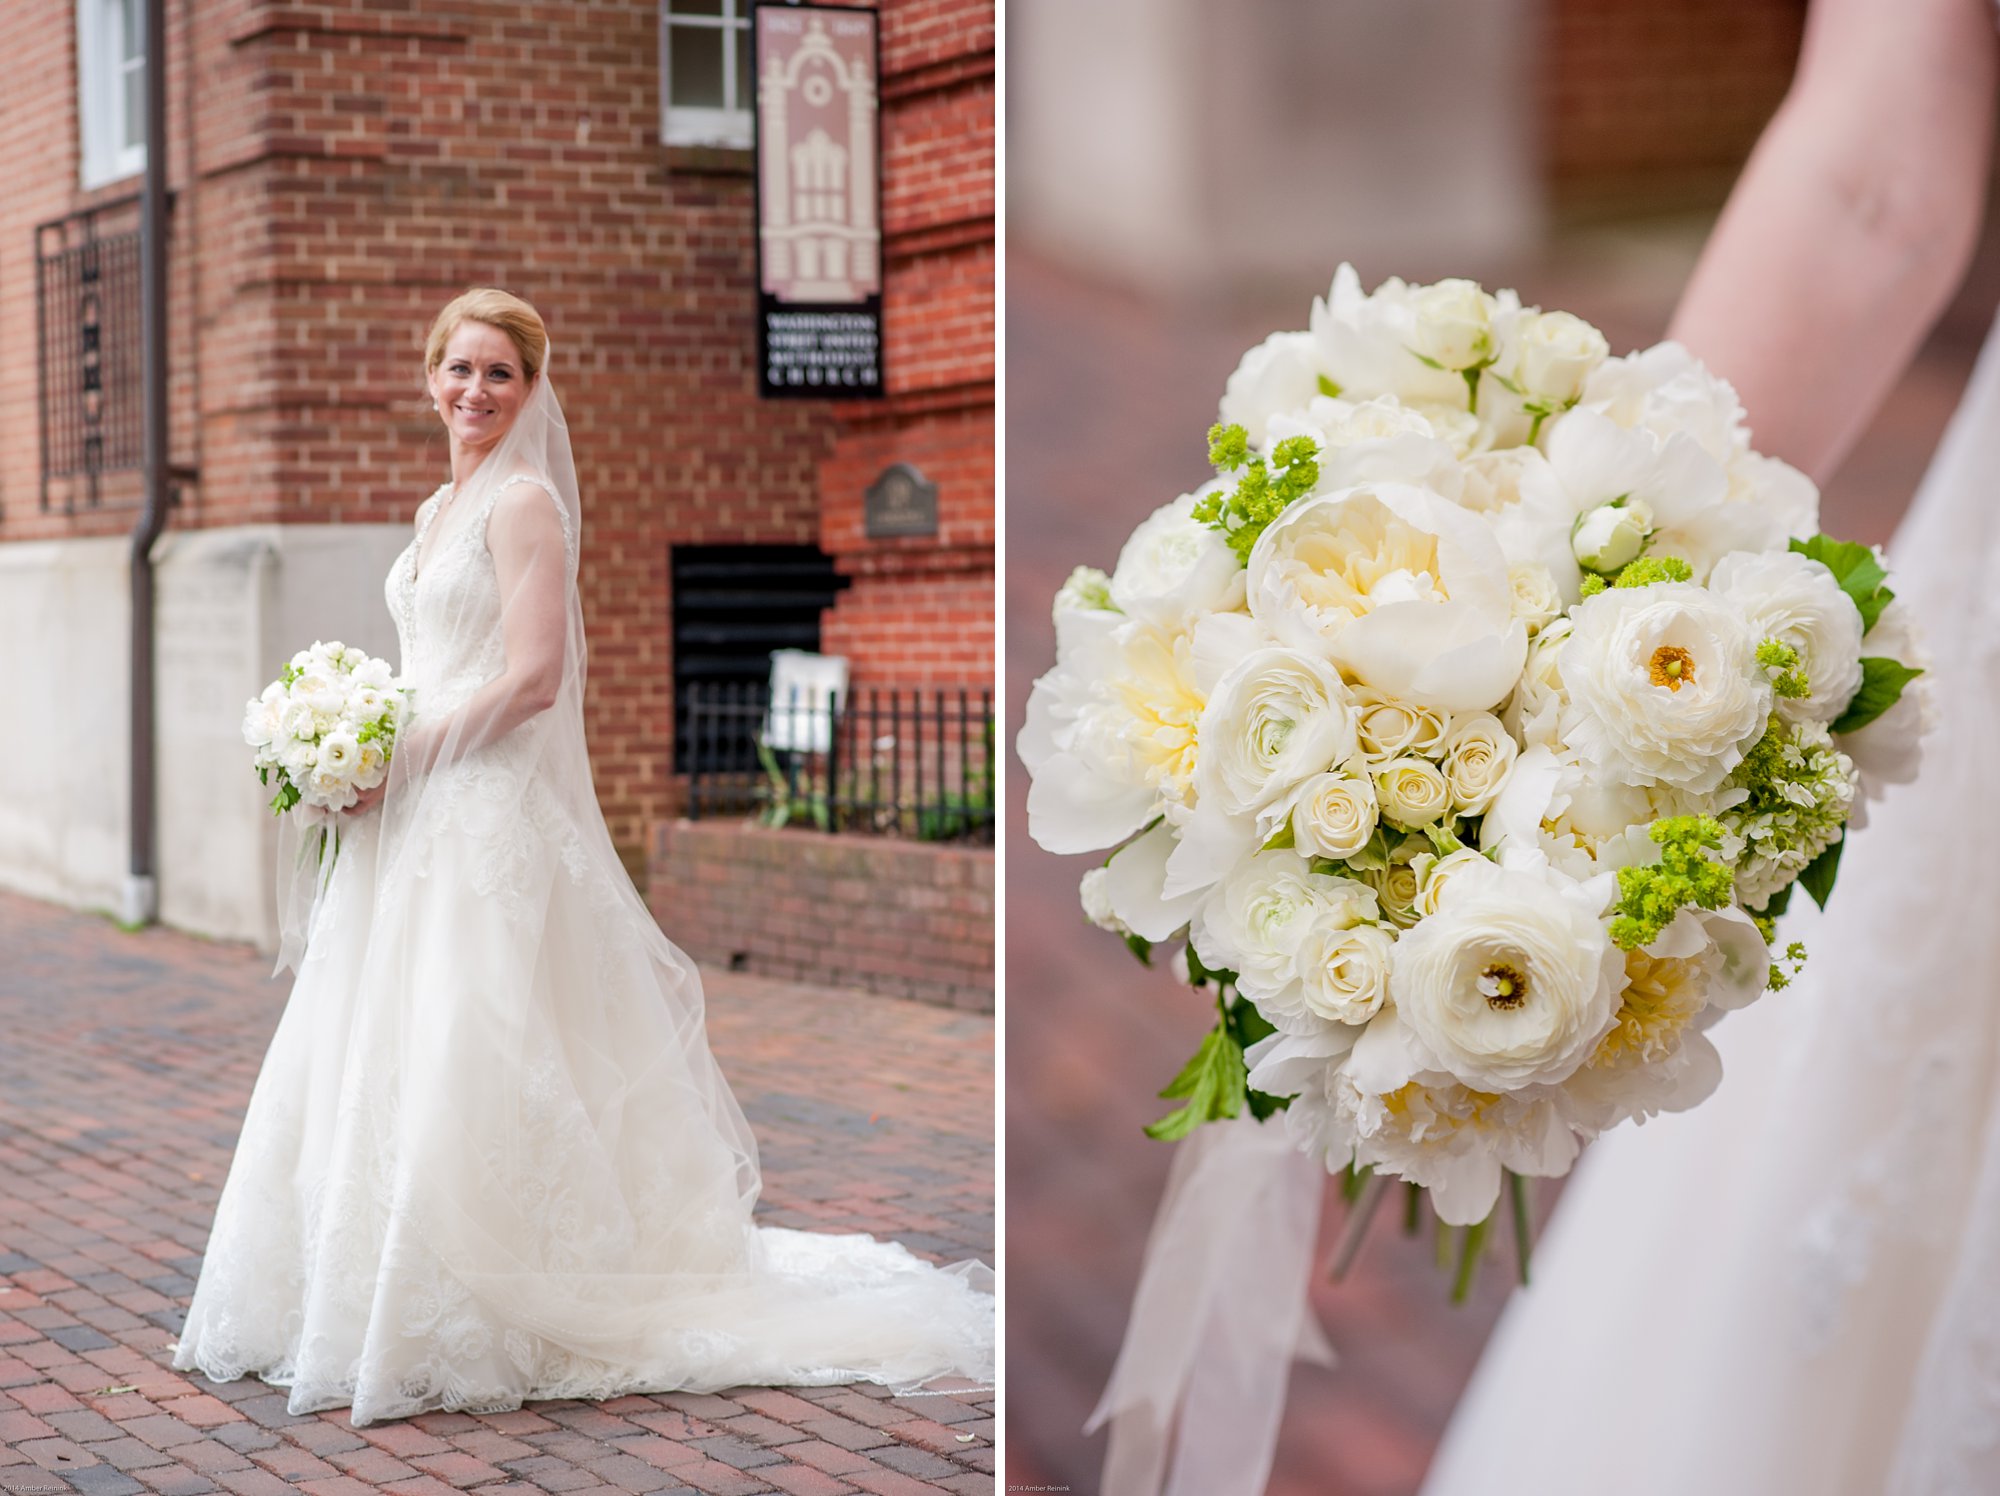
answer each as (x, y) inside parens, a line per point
(496, 308)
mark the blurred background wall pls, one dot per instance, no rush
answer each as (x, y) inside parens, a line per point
(1182, 180)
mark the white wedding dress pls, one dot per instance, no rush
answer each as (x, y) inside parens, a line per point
(1795, 1287)
(489, 1157)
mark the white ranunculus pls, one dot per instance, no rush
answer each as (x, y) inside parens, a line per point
(1401, 588)
(1344, 970)
(1175, 568)
(1478, 756)
(1794, 599)
(1279, 374)
(1332, 815)
(366, 704)
(1259, 916)
(1664, 686)
(1412, 791)
(1777, 489)
(1278, 717)
(1092, 893)
(1512, 982)
(1665, 390)
(375, 673)
(1557, 353)
(339, 756)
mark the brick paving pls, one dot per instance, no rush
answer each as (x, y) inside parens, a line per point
(1108, 399)
(125, 1063)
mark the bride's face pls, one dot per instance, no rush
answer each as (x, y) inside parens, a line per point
(478, 384)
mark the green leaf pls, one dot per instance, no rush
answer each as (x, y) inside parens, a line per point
(1329, 387)
(1213, 1085)
(1141, 947)
(1281, 838)
(1854, 566)
(1817, 879)
(1882, 683)
(1200, 973)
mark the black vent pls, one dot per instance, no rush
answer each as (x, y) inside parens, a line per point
(733, 605)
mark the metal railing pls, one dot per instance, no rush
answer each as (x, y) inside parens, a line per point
(892, 762)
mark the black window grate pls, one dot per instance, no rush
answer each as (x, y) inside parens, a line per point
(90, 332)
(733, 605)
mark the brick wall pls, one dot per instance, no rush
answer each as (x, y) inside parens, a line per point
(910, 919)
(345, 167)
(1656, 106)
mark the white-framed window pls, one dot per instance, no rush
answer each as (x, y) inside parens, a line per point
(707, 68)
(111, 88)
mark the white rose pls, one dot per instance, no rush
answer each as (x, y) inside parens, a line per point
(1478, 756)
(1435, 874)
(1258, 919)
(1397, 889)
(1558, 352)
(1537, 603)
(1612, 535)
(1794, 599)
(1388, 728)
(1412, 791)
(1344, 972)
(1403, 589)
(1279, 374)
(1276, 718)
(1664, 686)
(1454, 323)
(1332, 815)
(1512, 981)
(1176, 567)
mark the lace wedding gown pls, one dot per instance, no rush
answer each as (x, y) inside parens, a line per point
(1795, 1287)
(489, 1157)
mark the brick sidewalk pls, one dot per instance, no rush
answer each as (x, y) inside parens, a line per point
(125, 1063)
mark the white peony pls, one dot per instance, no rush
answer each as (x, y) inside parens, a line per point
(1380, 441)
(1512, 981)
(1402, 589)
(1664, 686)
(1533, 713)
(1795, 600)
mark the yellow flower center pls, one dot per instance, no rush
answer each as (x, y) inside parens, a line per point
(1662, 996)
(1672, 667)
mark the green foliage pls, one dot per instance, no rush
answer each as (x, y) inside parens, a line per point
(1650, 569)
(1856, 569)
(1882, 683)
(787, 795)
(1139, 946)
(1211, 1086)
(1329, 387)
(1781, 663)
(1259, 497)
(1650, 895)
(1593, 584)
(1817, 879)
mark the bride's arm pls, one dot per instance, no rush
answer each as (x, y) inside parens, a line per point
(526, 539)
(1853, 222)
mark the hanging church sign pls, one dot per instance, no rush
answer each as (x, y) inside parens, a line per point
(819, 193)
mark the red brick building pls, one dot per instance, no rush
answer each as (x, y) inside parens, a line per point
(339, 169)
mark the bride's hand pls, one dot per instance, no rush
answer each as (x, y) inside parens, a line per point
(367, 799)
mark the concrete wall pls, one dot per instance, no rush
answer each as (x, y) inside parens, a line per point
(233, 604)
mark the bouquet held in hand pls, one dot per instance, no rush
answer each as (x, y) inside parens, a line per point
(324, 730)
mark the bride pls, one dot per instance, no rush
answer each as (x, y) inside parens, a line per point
(489, 1157)
(1796, 1286)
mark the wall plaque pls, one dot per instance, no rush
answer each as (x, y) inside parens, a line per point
(819, 199)
(900, 502)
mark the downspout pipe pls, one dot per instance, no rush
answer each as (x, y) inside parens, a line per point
(140, 902)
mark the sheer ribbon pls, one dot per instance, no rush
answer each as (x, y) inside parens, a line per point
(1220, 1314)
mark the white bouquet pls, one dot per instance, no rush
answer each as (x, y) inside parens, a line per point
(1470, 729)
(325, 729)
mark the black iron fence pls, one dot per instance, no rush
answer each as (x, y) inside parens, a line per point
(913, 763)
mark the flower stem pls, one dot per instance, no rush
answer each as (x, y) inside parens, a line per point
(1470, 1245)
(1517, 1188)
